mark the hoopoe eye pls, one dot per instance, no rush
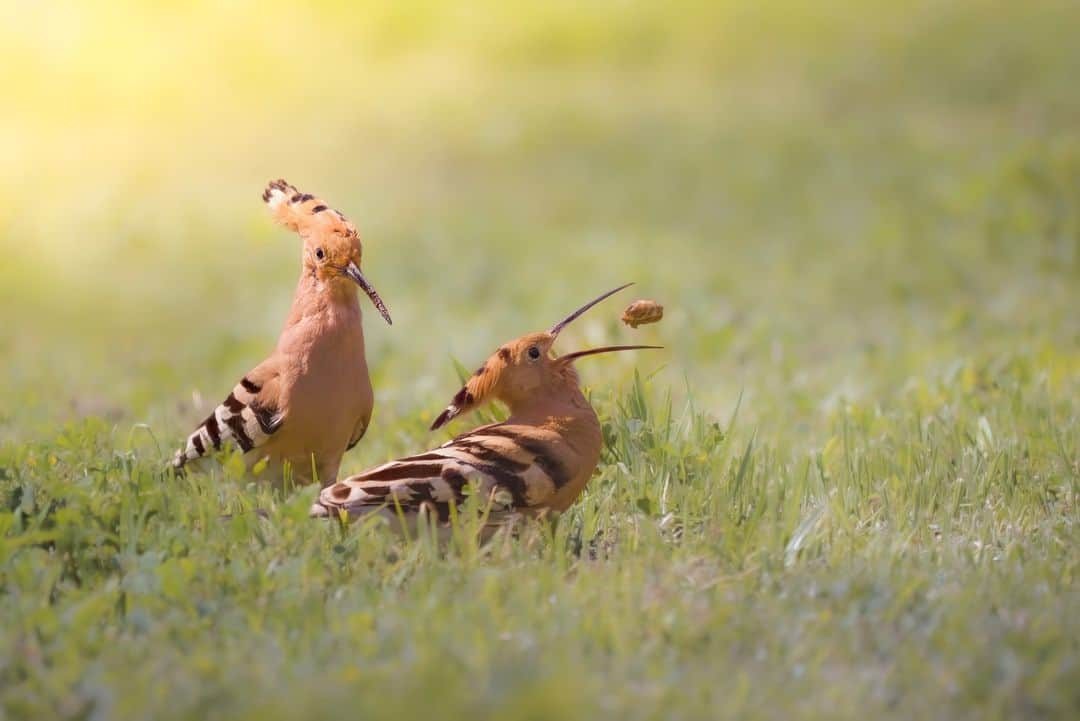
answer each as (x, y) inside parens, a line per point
(534, 352)
(319, 254)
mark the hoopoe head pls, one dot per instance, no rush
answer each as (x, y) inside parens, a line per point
(332, 248)
(526, 369)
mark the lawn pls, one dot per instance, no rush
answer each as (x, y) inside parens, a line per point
(847, 488)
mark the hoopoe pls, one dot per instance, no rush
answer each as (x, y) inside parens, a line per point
(538, 460)
(311, 400)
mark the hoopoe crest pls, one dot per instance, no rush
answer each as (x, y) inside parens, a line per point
(311, 400)
(537, 460)
(332, 249)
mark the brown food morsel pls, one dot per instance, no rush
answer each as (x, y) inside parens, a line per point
(641, 312)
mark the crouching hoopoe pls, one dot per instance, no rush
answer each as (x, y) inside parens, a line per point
(539, 459)
(311, 400)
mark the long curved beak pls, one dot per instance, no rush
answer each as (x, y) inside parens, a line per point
(353, 271)
(555, 330)
(570, 357)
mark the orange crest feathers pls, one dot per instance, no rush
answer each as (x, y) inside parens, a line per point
(476, 390)
(303, 212)
(496, 372)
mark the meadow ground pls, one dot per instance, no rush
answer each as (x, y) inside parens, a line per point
(846, 489)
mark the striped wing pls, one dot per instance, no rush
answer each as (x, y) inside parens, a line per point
(247, 418)
(514, 466)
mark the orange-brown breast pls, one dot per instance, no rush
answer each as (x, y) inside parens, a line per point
(327, 391)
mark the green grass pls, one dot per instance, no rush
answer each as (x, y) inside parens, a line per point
(846, 489)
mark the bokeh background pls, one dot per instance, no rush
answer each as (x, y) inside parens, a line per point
(863, 218)
(829, 197)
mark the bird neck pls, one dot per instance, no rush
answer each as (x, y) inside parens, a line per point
(562, 409)
(333, 299)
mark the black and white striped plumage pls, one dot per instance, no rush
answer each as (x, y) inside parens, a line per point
(535, 462)
(515, 467)
(241, 420)
(311, 399)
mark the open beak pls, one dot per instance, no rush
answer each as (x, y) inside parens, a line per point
(555, 330)
(571, 357)
(353, 271)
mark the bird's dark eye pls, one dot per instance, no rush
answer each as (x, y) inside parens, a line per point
(319, 253)
(534, 352)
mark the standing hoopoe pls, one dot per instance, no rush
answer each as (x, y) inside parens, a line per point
(539, 459)
(311, 400)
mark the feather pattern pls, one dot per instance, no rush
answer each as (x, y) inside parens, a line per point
(303, 212)
(517, 467)
(241, 420)
(311, 399)
(536, 461)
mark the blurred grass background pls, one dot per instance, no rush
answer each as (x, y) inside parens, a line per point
(859, 213)
(858, 191)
